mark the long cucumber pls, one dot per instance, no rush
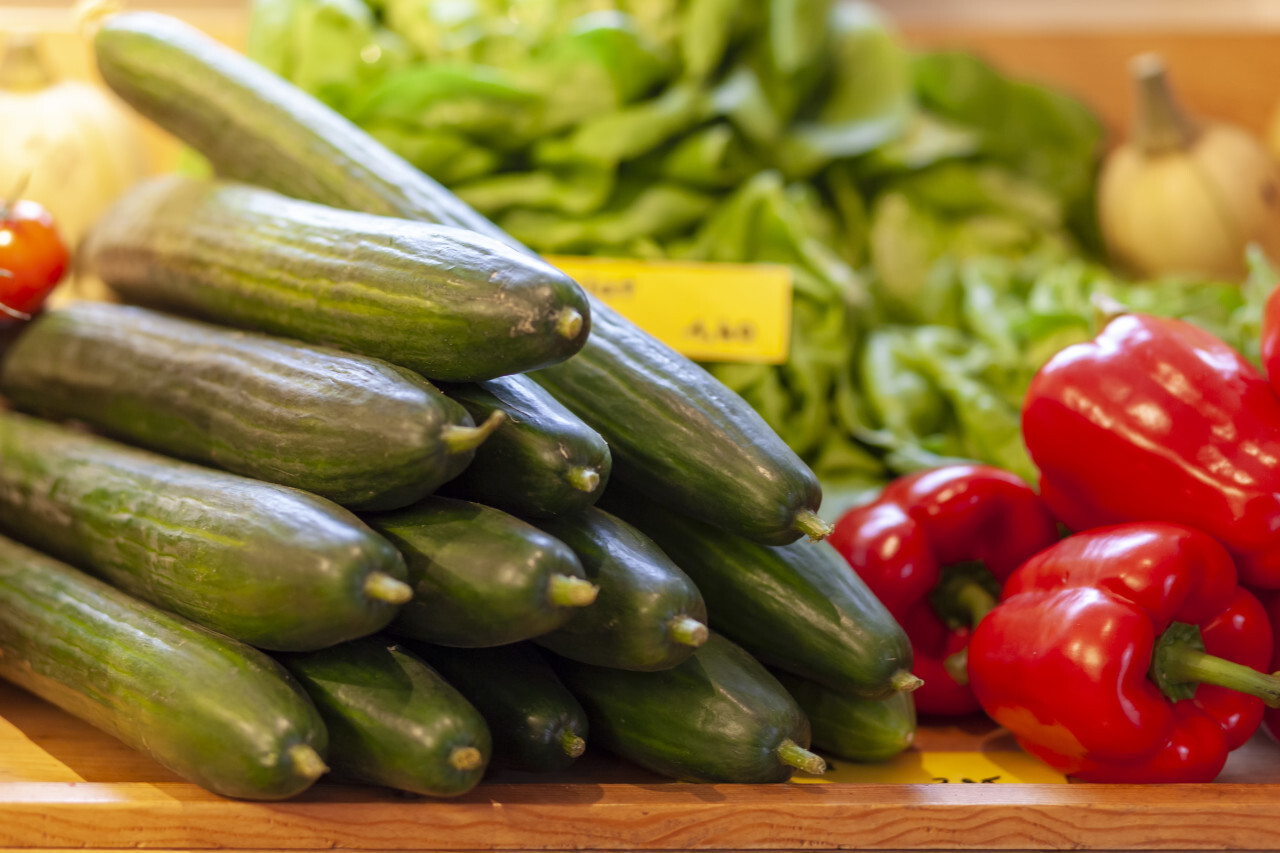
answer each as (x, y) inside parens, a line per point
(674, 430)
(542, 462)
(442, 301)
(212, 710)
(481, 577)
(275, 567)
(537, 725)
(648, 615)
(392, 719)
(718, 717)
(796, 607)
(359, 431)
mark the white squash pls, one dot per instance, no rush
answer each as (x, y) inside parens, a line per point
(76, 148)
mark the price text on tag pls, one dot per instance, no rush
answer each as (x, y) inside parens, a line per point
(709, 312)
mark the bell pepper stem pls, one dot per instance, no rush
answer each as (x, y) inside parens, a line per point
(1187, 664)
(970, 597)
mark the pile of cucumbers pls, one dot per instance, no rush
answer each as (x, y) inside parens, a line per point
(351, 483)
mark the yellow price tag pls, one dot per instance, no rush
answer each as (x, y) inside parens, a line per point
(709, 312)
(916, 768)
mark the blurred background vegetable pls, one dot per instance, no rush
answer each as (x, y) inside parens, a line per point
(939, 217)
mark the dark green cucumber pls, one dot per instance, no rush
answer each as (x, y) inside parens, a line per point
(537, 725)
(215, 711)
(481, 577)
(852, 727)
(797, 607)
(273, 566)
(359, 431)
(542, 462)
(718, 717)
(445, 302)
(673, 429)
(648, 615)
(392, 719)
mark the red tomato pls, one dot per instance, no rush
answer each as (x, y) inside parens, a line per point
(32, 258)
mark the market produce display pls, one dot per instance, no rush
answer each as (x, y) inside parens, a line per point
(358, 483)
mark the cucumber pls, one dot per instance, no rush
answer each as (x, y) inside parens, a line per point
(275, 567)
(648, 615)
(542, 462)
(481, 577)
(851, 727)
(797, 607)
(441, 301)
(359, 431)
(215, 711)
(537, 725)
(392, 719)
(673, 429)
(718, 717)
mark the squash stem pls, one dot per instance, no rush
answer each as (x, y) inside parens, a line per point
(466, 758)
(573, 745)
(800, 758)
(1160, 126)
(583, 479)
(810, 524)
(381, 586)
(307, 761)
(570, 591)
(904, 681)
(687, 631)
(460, 439)
(569, 323)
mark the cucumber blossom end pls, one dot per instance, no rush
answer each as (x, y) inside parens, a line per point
(570, 591)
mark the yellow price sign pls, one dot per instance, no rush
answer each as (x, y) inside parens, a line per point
(707, 311)
(919, 767)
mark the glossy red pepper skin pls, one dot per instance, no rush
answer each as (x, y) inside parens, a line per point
(1158, 420)
(33, 259)
(923, 522)
(1062, 661)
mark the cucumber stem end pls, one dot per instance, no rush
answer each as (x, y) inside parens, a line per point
(797, 756)
(810, 524)
(904, 681)
(381, 586)
(570, 591)
(306, 761)
(461, 439)
(687, 631)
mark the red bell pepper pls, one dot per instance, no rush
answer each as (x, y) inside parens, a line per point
(1158, 420)
(1127, 654)
(934, 548)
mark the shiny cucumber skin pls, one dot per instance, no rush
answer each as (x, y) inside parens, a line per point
(275, 567)
(648, 614)
(536, 724)
(542, 462)
(796, 607)
(215, 711)
(441, 301)
(480, 577)
(392, 719)
(850, 727)
(356, 430)
(718, 717)
(677, 432)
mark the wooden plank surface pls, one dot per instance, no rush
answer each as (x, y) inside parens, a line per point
(64, 785)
